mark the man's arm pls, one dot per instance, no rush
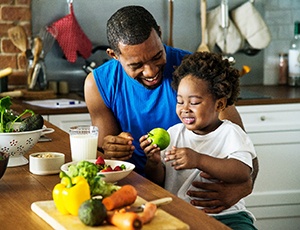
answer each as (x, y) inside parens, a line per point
(231, 114)
(101, 116)
(111, 141)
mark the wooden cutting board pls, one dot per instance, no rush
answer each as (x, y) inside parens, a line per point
(48, 212)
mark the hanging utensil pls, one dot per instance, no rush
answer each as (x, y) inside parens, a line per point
(225, 26)
(170, 40)
(203, 46)
(225, 22)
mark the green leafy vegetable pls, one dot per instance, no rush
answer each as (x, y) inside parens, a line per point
(8, 119)
(103, 188)
(89, 171)
(5, 104)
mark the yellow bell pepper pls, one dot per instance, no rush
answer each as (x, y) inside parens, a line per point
(70, 193)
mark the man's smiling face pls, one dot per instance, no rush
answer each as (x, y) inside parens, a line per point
(144, 62)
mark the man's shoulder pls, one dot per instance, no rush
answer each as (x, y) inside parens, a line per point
(176, 51)
(112, 63)
(175, 55)
(108, 70)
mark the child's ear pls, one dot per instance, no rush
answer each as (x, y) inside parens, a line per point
(221, 104)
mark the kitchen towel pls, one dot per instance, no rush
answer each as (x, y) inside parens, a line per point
(71, 38)
(216, 32)
(251, 25)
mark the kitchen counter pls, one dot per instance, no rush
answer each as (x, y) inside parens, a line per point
(251, 95)
(19, 189)
(263, 95)
(20, 106)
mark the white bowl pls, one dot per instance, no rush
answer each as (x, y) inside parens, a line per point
(45, 163)
(111, 177)
(16, 144)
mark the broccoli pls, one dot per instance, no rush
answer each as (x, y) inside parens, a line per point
(89, 171)
(84, 168)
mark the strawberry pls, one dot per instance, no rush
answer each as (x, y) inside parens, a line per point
(117, 168)
(107, 169)
(100, 161)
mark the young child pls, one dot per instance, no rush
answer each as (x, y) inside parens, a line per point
(206, 84)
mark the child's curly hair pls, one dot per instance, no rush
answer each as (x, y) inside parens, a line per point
(222, 79)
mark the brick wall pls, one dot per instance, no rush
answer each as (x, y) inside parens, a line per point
(12, 13)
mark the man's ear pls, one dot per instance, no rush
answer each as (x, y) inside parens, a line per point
(110, 52)
(221, 104)
(160, 32)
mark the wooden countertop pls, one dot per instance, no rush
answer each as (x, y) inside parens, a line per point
(275, 95)
(19, 189)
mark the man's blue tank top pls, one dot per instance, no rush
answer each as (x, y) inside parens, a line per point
(136, 108)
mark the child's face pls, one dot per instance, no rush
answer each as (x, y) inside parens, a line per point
(196, 107)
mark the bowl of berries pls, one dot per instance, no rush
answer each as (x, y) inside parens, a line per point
(111, 170)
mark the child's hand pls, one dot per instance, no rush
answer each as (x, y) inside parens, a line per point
(152, 151)
(182, 158)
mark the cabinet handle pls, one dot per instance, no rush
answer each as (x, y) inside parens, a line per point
(262, 118)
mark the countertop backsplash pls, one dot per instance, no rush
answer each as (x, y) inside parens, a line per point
(93, 14)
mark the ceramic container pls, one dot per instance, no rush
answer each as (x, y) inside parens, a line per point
(113, 176)
(16, 144)
(46, 163)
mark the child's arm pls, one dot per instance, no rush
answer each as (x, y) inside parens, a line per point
(227, 170)
(154, 168)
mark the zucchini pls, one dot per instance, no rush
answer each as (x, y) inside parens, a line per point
(34, 122)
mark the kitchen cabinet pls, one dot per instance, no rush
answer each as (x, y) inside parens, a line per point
(275, 132)
(65, 121)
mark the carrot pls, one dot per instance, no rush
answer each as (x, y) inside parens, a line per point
(148, 213)
(126, 195)
(125, 220)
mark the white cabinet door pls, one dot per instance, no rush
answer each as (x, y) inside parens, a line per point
(275, 132)
(65, 121)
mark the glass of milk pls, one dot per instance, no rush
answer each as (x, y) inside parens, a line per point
(84, 142)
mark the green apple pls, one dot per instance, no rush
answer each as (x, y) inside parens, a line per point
(160, 137)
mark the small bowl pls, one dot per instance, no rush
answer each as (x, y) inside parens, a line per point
(111, 177)
(4, 157)
(45, 163)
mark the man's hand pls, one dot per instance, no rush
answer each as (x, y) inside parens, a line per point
(219, 196)
(118, 147)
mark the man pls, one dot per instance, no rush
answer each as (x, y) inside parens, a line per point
(131, 94)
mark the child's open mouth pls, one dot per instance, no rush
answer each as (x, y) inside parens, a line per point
(188, 120)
